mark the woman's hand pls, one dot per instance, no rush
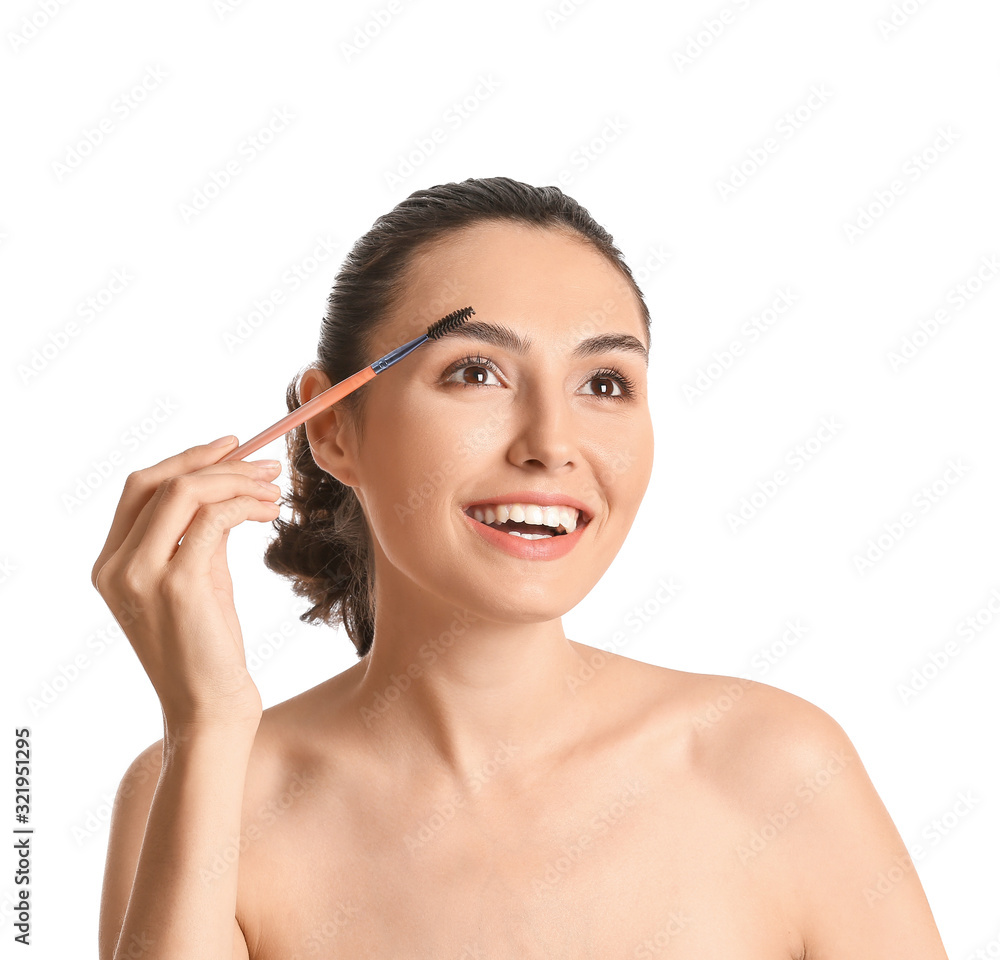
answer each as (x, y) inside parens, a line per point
(173, 597)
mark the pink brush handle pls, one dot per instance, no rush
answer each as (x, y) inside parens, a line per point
(326, 399)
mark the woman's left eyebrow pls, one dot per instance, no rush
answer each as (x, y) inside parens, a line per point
(508, 339)
(611, 341)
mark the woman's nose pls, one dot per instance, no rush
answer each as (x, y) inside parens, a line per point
(543, 432)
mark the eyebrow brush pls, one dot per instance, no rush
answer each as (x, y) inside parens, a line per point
(340, 390)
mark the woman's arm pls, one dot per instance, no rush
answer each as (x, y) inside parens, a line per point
(164, 575)
(173, 855)
(853, 883)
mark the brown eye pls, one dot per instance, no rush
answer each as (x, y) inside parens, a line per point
(474, 375)
(612, 385)
(607, 387)
(472, 372)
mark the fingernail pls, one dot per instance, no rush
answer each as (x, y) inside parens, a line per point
(267, 464)
(222, 441)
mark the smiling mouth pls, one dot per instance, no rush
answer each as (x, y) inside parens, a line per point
(556, 521)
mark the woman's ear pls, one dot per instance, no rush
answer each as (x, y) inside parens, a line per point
(330, 432)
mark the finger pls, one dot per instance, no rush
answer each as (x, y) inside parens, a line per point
(209, 530)
(173, 510)
(129, 538)
(240, 468)
(140, 487)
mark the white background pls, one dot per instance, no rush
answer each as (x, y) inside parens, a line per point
(597, 101)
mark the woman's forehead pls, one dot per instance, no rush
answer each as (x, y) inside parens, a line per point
(518, 273)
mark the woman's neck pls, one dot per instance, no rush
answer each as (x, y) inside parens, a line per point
(450, 687)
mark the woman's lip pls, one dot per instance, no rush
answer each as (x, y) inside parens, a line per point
(535, 496)
(548, 548)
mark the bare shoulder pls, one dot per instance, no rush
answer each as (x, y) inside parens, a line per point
(769, 751)
(288, 756)
(736, 730)
(809, 816)
(761, 734)
(128, 825)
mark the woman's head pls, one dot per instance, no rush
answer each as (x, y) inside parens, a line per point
(381, 480)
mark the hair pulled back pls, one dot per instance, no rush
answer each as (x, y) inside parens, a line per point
(325, 548)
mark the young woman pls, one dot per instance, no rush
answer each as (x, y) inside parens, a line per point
(478, 784)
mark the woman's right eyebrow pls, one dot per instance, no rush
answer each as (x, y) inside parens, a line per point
(508, 339)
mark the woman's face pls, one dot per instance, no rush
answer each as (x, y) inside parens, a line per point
(472, 421)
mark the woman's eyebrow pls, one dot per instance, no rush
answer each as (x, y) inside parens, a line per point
(508, 339)
(611, 341)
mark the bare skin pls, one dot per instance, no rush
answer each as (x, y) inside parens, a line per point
(479, 785)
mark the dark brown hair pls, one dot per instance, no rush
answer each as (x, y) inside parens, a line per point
(325, 549)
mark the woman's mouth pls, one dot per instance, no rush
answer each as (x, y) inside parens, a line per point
(528, 520)
(530, 531)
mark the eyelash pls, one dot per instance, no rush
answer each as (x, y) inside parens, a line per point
(626, 383)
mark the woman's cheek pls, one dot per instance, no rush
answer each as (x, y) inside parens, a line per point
(405, 510)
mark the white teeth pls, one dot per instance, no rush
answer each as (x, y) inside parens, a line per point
(555, 517)
(568, 518)
(532, 513)
(531, 536)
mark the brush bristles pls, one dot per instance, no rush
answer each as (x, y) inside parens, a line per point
(451, 322)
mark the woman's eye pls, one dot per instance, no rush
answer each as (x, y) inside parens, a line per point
(478, 371)
(613, 384)
(472, 374)
(609, 387)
